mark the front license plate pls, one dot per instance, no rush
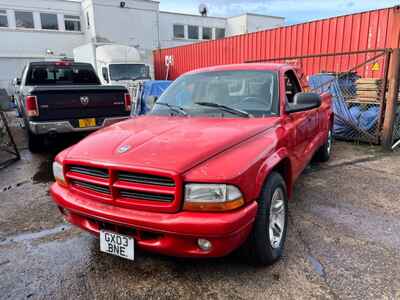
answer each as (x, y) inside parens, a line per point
(83, 123)
(117, 244)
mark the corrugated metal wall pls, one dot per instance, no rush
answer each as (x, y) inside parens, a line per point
(356, 32)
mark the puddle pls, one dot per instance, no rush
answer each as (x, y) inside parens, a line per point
(49, 270)
(35, 235)
(316, 265)
(363, 223)
(45, 173)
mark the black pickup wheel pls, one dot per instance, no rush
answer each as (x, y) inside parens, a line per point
(35, 142)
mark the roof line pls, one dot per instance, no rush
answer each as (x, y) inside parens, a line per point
(257, 15)
(191, 15)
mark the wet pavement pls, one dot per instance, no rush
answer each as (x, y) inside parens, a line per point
(343, 242)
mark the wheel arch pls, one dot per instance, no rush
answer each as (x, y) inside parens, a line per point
(285, 169)
(278, 162)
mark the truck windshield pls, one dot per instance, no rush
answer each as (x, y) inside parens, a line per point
(128, 71)
(239, 93)
(54, 74)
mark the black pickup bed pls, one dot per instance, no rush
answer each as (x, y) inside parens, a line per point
(81, 101)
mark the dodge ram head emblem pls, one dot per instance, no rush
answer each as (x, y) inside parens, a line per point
(123, 149)
(85, 100)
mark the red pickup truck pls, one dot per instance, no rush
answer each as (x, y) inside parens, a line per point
(208, 171)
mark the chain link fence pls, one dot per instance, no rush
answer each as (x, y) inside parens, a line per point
(396, 129)
(8, 149)
(358, 84)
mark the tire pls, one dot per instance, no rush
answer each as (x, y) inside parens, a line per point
(263, 247)
(35, 142)
(324, 153)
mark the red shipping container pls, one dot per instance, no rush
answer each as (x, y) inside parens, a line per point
(356, 32)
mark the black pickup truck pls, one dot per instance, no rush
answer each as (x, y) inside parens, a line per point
(63, 96)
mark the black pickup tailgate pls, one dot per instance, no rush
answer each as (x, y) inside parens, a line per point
(80, 101)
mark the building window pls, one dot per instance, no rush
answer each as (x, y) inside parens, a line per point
(179, 31)
(24, 19)
(72, 23)
(219, 33)
(49, 21)
(193, 32)
(3, 18)
(207, 33)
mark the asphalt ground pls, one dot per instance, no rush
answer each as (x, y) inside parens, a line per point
(343, 241)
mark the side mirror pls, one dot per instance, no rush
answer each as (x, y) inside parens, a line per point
(303, 102)
(104, 72)
(17, 81)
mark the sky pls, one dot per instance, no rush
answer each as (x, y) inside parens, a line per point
(294, 11)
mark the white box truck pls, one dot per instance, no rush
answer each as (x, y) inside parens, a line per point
(115, 64)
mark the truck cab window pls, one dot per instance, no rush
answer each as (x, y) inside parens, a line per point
(292, 86)
(128, 71)
(53, 74)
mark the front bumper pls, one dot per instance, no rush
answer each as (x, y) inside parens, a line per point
(66, 127)
(170, 234)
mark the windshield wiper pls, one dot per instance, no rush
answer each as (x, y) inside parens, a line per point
(175, 108)
(229, 109)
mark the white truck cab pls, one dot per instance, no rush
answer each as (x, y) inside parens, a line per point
(115, 64)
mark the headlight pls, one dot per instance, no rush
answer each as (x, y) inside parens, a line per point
(212, 197)
(58, 171)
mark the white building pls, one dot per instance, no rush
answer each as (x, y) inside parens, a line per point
(35, 29)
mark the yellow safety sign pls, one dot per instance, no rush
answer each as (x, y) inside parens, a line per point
(375, 67)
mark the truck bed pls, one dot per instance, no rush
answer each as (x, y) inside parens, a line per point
(80, 101)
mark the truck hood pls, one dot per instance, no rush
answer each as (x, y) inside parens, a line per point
(176, 144)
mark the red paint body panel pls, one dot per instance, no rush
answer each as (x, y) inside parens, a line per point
(173, 234)
(356, 32)
(149, 134)
(236, 151)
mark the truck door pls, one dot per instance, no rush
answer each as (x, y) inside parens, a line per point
(299, 120)
(307, 130)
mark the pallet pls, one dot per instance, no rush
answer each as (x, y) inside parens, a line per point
(369, 81)
(363, 102)
(368, 91)
(368, 87)
(368, 94)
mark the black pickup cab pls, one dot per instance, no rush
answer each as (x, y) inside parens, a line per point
(62, 97)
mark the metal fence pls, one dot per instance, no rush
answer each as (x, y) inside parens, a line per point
(358, 84)
(8, 149)
(396, 128)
